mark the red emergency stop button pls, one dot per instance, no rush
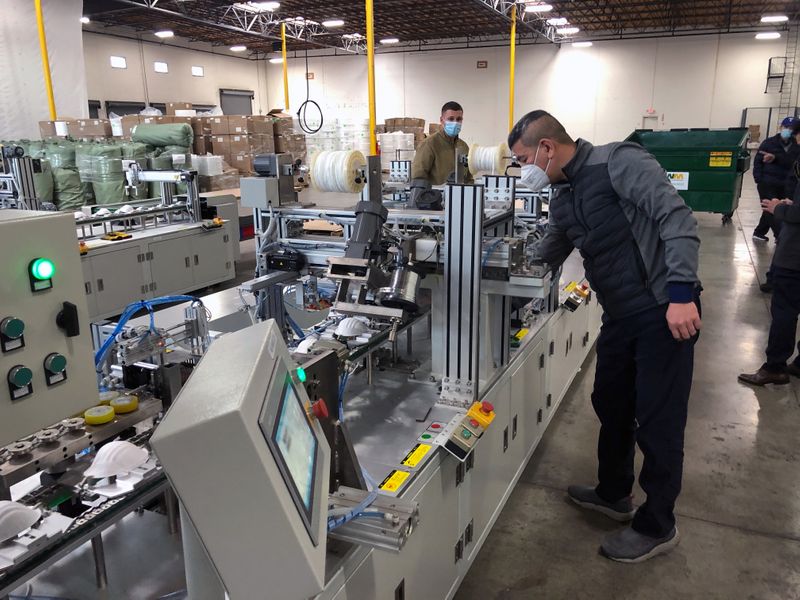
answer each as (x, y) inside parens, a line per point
(474, 423)
(487, 407)
(320, 409)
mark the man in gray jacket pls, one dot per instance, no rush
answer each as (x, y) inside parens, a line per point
(639, 243)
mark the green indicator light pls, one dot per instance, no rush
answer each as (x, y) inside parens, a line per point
(426, 436)
(301, 374)
(43, 269)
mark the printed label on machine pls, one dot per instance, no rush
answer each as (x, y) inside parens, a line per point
(720, 159)
(679, 179)
(394, 481)
(416, 455)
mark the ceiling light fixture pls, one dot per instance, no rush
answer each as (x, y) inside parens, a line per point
(353, 36)
(333, 23)
(557, 21)
(774, 19)
(538, 8)
(164, 33)
(768, 35)
(85, 20)
(276, 61)
(389, 41)
(258, 6)
(567, 30)
(238, 48)
(581, 44)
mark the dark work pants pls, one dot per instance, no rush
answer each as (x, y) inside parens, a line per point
(785, 308)
(641, 396)
(767, 222)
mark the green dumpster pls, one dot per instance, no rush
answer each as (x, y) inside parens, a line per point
(705, 165)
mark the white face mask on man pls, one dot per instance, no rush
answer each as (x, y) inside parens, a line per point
(533, 176)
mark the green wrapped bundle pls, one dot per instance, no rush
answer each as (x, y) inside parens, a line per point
(83, 162)
(167, 134)
(43, 182)
(108, 180)
(60, 154)
(67, 189)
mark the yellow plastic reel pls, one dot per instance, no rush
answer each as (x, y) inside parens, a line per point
(99, 415)
(125, 404)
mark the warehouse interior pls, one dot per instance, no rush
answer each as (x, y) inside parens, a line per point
(275, 322)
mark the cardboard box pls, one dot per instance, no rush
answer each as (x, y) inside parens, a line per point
(128, 123)
(218, 125)
(243, 163)
(238, 144)
(214, 183)
(186, 120)
(262, 143)
(173, 106)
(186, 113)
(150, 120)
(202, 145)
(433, 128)
(242, 125)
(201, 126)
(83, 128)
(281, 122)
(220, 145)
(413, 122)
(755, 132)
(292, 143)
(49, 129)
(165, 119)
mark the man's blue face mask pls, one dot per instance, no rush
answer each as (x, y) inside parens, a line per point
(786, 133)
(452, 128)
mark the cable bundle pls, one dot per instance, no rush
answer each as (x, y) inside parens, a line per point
(337, 171)
(489, 159)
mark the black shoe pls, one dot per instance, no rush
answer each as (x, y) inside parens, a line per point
(766, 288)
(793, 370)
(763, 377)
(586, 497)
(758, 237)
(630, 546)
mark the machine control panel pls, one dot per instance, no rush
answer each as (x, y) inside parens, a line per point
(462, 433)
(45, 341)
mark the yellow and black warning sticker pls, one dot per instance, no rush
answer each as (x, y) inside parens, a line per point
(720, 159)
(394, 480)
(416, 454)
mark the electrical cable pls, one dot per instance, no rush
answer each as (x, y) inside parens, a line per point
(301, 118)
(295, 327)
(489, 251)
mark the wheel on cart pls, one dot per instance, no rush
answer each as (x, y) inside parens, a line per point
(727, 218)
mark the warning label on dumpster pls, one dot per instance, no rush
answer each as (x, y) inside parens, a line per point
(720, 159)
(679, 179)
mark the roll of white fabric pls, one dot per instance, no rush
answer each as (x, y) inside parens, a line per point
(337, 171)
(489, 159)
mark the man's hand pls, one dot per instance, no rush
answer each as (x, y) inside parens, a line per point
(766, 156)
(683, 320)
(769, 205)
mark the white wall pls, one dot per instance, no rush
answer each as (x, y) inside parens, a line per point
(220, 71)
(23, 98)
(599, 93)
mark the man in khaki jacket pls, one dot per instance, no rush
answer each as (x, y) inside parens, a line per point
(435, 160)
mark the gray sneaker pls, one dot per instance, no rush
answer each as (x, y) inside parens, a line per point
(586, 497)
(629, 546)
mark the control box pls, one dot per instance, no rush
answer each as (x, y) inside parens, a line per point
(46, 359)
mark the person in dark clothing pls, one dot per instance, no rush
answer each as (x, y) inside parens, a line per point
(785, 306)
(771, 169)
(640, 248)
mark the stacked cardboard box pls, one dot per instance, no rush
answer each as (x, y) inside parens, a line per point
(51, 129)
(407, 125)
(89, 128)
(173, 106)
(239, 150)
(292, 143)
(433, 128)
(213, 183)
(128, 123)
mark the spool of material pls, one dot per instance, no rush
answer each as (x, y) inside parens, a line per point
(107, 397)
(337, 171)
(98, 415)
(489, 159)
(125, 404)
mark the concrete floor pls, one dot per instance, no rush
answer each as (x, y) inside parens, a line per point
(739, 513)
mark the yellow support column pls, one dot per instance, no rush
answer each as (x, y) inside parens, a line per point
(512, 62)
(285, 69)
(373, 141)
(48, 82)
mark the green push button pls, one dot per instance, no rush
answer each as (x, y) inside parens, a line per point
(466, 434)
(425, 436)
(43, 269)
(12, 327)
(20, 376)
(55, 363)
